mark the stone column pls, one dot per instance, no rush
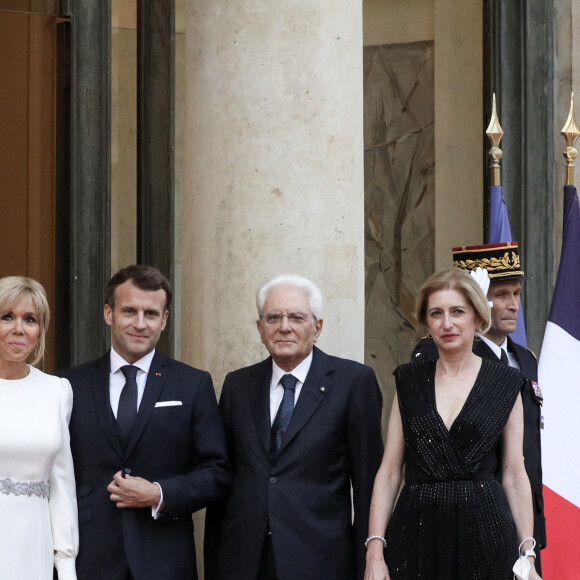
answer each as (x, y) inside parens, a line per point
(273, 178)
(459, 129)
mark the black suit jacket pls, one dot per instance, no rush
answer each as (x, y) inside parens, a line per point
(426, 350)
(304, 495)
(182, 447)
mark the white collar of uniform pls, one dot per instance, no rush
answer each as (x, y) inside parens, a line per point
(300, 372)
(495, 347)
(117, 361)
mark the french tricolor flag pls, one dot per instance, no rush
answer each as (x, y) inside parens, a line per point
(559, 378)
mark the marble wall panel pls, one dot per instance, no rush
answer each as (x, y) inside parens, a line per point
(399, 199)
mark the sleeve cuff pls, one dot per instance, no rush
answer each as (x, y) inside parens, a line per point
(156, 510)
(66, 568)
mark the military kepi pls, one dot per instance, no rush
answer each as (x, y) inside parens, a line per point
(502, 261)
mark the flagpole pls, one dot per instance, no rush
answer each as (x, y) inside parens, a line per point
(558, 376)
(495, 133)
(571, 132)
(499, 223)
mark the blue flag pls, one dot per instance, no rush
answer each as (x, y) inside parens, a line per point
(499, 231)
(565, 309)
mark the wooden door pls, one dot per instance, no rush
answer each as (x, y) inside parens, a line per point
(28, 67)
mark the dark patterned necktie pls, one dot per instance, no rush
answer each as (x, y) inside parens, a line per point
(284, 413)
(127, 410)
(504, 357)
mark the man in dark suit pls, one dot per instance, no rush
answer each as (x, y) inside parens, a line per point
(147, 443)
(301, 428)
(501, 264)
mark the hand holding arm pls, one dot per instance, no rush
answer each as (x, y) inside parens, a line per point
(133, 492)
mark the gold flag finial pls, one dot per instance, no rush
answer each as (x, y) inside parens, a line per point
(495, 133)
(571, 132)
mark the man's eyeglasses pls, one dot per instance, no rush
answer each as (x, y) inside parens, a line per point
(294, 318)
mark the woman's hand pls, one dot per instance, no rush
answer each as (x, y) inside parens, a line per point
(377, 571)
(376, 568)
(533, 574)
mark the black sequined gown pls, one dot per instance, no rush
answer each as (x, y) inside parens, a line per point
(452, 520)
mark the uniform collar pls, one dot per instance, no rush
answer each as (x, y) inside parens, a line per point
(495, 347)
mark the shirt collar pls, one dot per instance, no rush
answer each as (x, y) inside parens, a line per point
(117, 361)
(495, 347)
(300, 372)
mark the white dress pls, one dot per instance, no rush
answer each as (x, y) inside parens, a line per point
(36, 532)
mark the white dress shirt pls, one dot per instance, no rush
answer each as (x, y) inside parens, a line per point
(117, 382)
(117, 378)
(498, 348)
(276, 388)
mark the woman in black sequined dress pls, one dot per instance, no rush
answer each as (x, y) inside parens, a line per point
(457, 427)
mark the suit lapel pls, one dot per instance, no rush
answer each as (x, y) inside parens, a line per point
(259, 401)
(315, 389)
(514, 348)
(100, 386)
(156, 379)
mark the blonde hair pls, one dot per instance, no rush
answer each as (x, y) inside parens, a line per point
(462, 282)
(13, 289)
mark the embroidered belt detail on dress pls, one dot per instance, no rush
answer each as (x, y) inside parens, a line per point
(39, 488)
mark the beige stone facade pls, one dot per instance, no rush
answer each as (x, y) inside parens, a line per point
(344, 145)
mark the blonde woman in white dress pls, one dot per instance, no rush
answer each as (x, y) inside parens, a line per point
(38, 512)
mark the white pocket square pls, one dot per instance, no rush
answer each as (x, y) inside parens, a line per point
(168, 404)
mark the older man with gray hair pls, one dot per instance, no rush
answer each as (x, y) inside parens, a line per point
(303, 428)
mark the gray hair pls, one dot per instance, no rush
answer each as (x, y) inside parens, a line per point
(310, 289)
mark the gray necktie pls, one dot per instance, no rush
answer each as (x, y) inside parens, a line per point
(284, 413)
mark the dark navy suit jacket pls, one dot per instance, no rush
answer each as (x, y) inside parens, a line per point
(182, 447)
(304, 494)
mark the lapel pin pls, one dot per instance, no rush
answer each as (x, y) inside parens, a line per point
(157, 374)
(322, 389)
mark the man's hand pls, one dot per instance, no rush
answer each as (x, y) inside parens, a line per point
(133, 492)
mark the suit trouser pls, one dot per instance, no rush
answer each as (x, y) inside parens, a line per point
(267, 568)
